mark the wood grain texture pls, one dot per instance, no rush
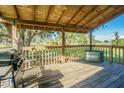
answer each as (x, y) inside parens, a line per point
(76, 75)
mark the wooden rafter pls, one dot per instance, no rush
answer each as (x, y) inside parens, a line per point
(34, 12)
(109, 18)
(60, 16)
(49, 12)
(16, 11)
(78, 11)
(86, 15)
(99, 13)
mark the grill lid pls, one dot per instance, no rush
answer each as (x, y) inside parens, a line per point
(6, 56)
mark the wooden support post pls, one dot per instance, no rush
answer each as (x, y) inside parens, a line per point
(14, 35)
(63, 45)
(90, 40)
(63, 42)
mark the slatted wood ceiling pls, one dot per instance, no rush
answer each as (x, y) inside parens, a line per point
(75, 18)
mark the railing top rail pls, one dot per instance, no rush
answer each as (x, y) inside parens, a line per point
(67, 46)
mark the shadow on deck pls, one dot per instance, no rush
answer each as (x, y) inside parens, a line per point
(76, 75)
(41, 78)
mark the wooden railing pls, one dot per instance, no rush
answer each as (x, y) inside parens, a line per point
(35, 56)
(39, 56)
(113, 54)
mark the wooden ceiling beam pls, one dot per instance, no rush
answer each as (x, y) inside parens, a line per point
(54, 29)
(77, 12)
(100, 13)
(36, 23)
(92, 10)
(49, 12)
(16, 11)
(47, 28)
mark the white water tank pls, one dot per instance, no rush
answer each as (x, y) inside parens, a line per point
(94, 56)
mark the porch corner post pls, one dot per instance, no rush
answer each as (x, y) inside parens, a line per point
(63, 46)
(63, 42)
(90, 37)
(14, 35)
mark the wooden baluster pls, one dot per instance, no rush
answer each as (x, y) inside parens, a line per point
(106, 53)
(48, 56)
(119, 55)
(42, 56)
(52, 56)
(55, 55)
(46, 61)
(31, 52)
(116, 55)
(60, 54)
(39, 57)
(111, 54)
(123, 56)
(57, 50)
(71, 52)
(103, 49)
(58, 59)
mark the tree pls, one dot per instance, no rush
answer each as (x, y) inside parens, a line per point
(26, 36)
(116, 38)
(106, 41)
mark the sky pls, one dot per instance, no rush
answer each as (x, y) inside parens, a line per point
(106, 31)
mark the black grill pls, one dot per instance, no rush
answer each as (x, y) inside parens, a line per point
(12, 57)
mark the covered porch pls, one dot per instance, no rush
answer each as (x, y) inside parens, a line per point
(64, 65)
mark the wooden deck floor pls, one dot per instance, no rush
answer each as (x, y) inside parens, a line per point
(76, 75)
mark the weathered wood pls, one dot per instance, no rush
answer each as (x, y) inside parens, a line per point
(61, 16)
(75, 15)
(111, 54)
(96, 77)
(34, 13)
(43, 13)
(49, 12)
(99, 13)
(70, 74)
(17, 12)
(117, 83)
(121, 10)
(63, 45)
(110, 80)
(14, 35)
(92, 10)
(90, 38)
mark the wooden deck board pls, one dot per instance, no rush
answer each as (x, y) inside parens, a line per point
(96, 77)
(77, 74)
